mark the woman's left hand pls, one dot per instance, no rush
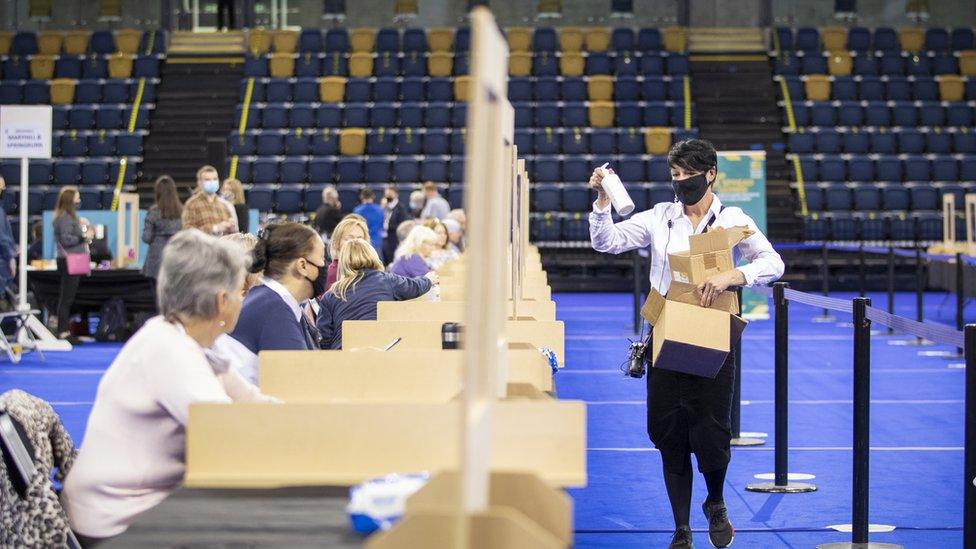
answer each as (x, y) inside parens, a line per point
(719, 283)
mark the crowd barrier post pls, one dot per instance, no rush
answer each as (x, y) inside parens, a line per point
(891, 284)
(862, 273)
(750, 439)
(825, 317)
(862, 433)
(781, 483)
(969, 480)
(960, 296)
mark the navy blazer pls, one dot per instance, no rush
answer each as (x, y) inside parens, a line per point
(267, 323)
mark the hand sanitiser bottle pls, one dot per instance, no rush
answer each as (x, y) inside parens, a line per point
(615, 190)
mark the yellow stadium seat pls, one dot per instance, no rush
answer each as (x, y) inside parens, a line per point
(406, 7)
(440, 39)
(519, 39)
(62, 91)
(5, 40)
(817, 87)
(332, 89)
(362, 40)
(839, 63)
(49, 42)
(109, 10)
(120, 66)
(967, 63)
(352, 142)
(572, 64)
(834, 39)
(440, 64)
(282, 65)
(284, 41)
(42, 67)
(675, 39)
(258, 41)
(600, 88)
(657, 140)
(951, 87)
(597, 39)
(601, 114)
(550, 7)
(570, 39)
(361, 65)
(76, 42)
(519, 63)
(911, 38)
(462, 87)
(40, 9)
(127, 41)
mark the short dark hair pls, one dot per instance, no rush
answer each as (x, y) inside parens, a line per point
(366, 194)
(697, 155)
(279, 245)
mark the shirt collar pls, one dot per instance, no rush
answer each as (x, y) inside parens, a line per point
(289, 299)
(713, 211)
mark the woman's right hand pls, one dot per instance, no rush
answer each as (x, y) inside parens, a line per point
(596, 183)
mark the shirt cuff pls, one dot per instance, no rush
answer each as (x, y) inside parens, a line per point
(600, 211)
(748, 272)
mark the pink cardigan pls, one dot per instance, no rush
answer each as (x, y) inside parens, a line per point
(132, 455)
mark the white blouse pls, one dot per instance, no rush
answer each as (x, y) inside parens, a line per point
(132, 455)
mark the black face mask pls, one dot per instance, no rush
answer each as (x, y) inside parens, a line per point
(690, 191)
(318, 283)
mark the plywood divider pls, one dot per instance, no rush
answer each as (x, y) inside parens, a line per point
(368, 375)
(426, 334)
(453, 291)
(258, 445)
(453, 311)
(493, 528)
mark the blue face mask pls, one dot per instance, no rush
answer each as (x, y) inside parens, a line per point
(211, 186)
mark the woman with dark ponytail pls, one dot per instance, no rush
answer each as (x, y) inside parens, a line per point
(292, 259)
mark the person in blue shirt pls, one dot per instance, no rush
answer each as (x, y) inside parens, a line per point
(8, 245)
(373, 214)
(362, 283)
(292, 258)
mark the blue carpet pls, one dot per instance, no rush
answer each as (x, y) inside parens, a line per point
(916, 429)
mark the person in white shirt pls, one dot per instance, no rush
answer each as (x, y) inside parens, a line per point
(133, 451)
(686, 413)
(436, 207)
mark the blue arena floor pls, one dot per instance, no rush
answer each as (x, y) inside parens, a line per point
(916, 429)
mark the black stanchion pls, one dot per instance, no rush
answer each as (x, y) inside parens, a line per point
(862, 277)
(891, 284)
(825, 317)
(960, 295)
(969, 482)
(636, 267)
(738, 439)
(781, 483)
(862, 433)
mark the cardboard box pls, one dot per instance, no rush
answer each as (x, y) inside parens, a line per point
(710, 253)
(689, 338)
(682, 292)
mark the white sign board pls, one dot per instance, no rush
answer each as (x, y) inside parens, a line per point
(25, 132)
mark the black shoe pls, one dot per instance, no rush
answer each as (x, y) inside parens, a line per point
(720, 530)
(681, 539)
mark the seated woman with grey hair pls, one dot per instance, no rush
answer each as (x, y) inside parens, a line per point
(133, 450)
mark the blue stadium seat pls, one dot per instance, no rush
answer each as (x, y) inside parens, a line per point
(145, 66)
(945, 64)
(324, 143)
(865, 65)
(264, 170)
(967, 168)
(813, 64)
(598, 63)
(81, 117)
(785, 38)
(889, 169)
(918, 65)
(871, 88)
(243, 169)
(945, 168)
(387, 64)
(310, 41)
(67, 67)
(603, 141)
(828, 141)
(546, 116)
(904, 114)
(269, 143)
(654, 114)
(677, 64)
(380, 141)
(575, 141)
(438, 89)
(407, 141)
(11, 93)
(816, 228)
(970, 90)
(293, 170)
(358, 90)
(627, 88)
(860, 169)
(547, 170)
(411, 115)
(36, 92)
(901, 227)
(413, 64)
(917, 169)
(349, 170)
(823, 114)
(102, 42)
(337, 40)
(109, 118)
(632, 169)
(67, 171)
(545, 141)
(925, 89)
(652, 89)
(406, 169)
(630, 141)
(625, 64)
(571, 88)
(297, 143)
(544, 40)
(622, 39)
(24, 43)
(305, 90)
(328, 116)
(279, 90)
(931, 115)
(456, 173)
(831, 168)
(301, 115)
(547, 88)
(807, 40)
(872, 228)
(288, 198)
(855, 142)
(458, 141)
(523, 140)
(886, 39)
(335, 64)
(911, 141)
(102, 144)
(576, 170)
(924, 197)
(859, 39)
(576, 227)
(261, 197)
(938, 142)
(91, 199)
(814, 194)
(73, 145)
(878, 114)
(962, 39)
(520, 89)
(652, 64)
(892, 64)
(800, 142)
(576, 198)
(883, 143)
(867, 198)
(387, 40)
(658, 170)
(787, 65)
(895, 197)
(898, 89)
(455, 196)
(649, 39)
(462, 62)
(321, 170)
(312, 198)
(936, 39)
(142, 117)
(964, 142)
(837, 197)
(356, 116)
(94, 172)
(377, 169)
(88, 92)
(129, 144)
(546, 198)
(95, 67)
(438, 115)
(383, 115)
(274, 116)
(575, 115)
(658, 193)
(415, 40)
(843, 89)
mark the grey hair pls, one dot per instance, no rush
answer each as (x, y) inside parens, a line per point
(195, 268)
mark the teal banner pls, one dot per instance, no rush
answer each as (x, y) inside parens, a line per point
(742, 182)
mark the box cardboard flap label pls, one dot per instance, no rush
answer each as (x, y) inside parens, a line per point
(653, 306)
(718, 239)
(682, 292)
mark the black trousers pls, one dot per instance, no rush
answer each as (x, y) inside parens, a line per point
(225, 6)
(691, 414)
(66, 297)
